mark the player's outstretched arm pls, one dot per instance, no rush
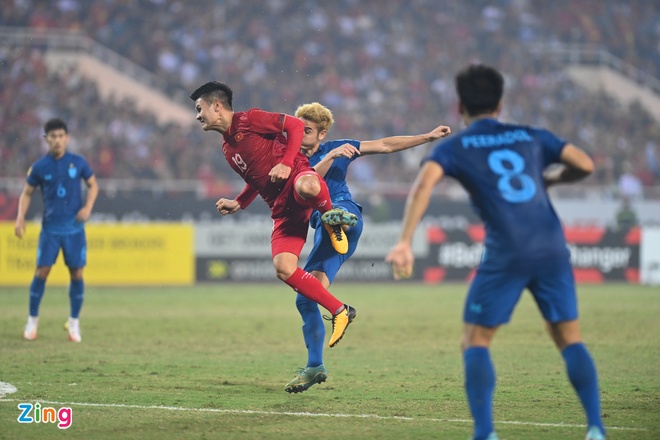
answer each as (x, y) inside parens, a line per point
(575, 165)
(393, 144)
(23, 205)
(401, 256)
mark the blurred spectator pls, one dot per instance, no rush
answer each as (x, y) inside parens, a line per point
(626, 217)
(630, 186)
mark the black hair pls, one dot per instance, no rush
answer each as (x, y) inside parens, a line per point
(214, 90)
(55, 124)
(480, 88)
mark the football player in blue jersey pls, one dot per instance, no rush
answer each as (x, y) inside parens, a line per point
(333, 245)
(506, 169)
(58, 174)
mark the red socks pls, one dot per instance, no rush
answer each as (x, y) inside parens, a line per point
(311, 288)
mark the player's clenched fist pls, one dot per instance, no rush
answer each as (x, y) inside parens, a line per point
(226, 206)
(345, 150)
(279, 173)
(439, 132)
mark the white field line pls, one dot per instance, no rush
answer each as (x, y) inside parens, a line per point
(6, 388)
(308, 414)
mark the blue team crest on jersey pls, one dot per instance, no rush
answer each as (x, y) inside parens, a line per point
(72, 171)
(48, 177)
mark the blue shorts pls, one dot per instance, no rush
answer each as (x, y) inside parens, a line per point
(74, 248)
(323, 256)
(494, 293)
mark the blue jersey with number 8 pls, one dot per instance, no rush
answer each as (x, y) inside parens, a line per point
(501, 167)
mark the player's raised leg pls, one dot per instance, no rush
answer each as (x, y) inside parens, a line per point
(286, 266)
(308, 286)
(312, 191)
(340, 322)
(323, 263)
(338, 216)
(334, 222)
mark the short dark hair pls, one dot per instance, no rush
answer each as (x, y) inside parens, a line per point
(55, 124)
(214, 90)
(480, 88)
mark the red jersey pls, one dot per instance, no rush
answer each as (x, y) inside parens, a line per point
(255, 143)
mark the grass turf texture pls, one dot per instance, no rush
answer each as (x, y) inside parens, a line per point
(226, 352)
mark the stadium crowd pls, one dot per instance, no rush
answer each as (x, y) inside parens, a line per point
(384, 68)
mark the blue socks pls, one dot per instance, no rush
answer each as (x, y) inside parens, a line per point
(479, 387)
(582, 374)
(313, 330)
(76, 293)
(36, 293)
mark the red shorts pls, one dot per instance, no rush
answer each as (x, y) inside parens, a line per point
(290, 219)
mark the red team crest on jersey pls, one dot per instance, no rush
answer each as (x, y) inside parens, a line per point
(238, 136)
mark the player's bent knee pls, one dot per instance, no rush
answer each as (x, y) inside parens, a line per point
(308, 186)
(284, 272)
(285, 265)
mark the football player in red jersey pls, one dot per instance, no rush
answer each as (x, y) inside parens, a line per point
(272, 166)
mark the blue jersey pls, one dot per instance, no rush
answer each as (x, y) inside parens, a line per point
(60, 184)
(501, 167)
(323, 257)
(336, 175)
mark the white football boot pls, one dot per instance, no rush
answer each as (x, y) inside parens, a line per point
(31, 328)
(72, 327)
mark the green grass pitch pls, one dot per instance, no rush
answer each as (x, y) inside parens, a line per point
(211, 362)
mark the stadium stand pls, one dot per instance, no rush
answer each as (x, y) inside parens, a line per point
(379, 75)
